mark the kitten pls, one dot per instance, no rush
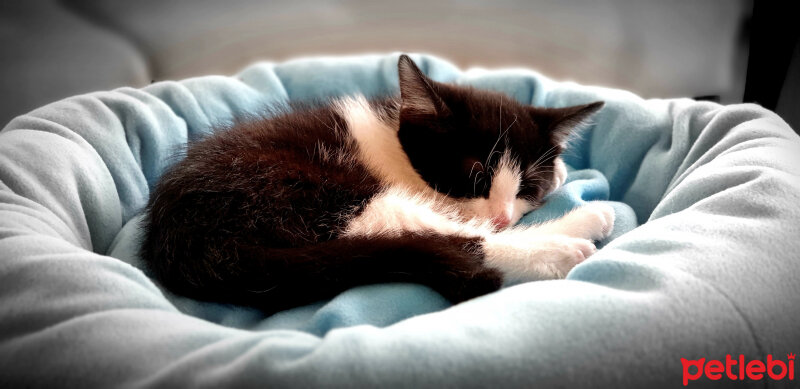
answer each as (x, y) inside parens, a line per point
(287, 210)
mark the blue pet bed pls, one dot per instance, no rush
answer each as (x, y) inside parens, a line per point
(703, 261)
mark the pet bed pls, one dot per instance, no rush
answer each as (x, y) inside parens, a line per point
(703, 261)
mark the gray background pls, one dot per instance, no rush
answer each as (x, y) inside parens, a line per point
(53, 49)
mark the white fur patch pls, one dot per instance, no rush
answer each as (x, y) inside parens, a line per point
(502, 203)
(560, 173)
(396, 211)
(594, 221)
(378, 145)
(505, 183)
(528, 255)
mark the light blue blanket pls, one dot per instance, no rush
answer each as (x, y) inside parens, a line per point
(703, 261)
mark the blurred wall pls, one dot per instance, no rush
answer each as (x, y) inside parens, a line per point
(52, 49)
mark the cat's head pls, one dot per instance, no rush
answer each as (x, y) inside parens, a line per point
(498, 157)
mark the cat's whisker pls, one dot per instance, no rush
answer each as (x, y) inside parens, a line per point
(492, 151)
(501, 135)
(484, 185)
(547, 153)
(500, 111)
(543, 157)
(473, 167)
(541, 171)
(538, 180)
(475, 183)
(262, 291)
(512, 123)
(490, 157)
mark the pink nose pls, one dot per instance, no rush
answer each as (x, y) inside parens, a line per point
(501, 221)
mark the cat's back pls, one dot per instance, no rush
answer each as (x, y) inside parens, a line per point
(282, 180)
(290, 135)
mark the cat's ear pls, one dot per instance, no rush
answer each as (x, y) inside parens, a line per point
(563, 122)
(417, 91)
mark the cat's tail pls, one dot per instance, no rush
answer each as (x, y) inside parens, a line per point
(278, 278)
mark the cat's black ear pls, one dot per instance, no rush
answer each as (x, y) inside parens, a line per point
(417, 91)
(563, 122)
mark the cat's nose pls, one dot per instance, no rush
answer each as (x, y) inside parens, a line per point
(501, 221)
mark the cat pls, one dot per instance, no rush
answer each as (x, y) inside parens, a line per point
(422, 187)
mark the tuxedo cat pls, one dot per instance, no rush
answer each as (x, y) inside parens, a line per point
(422, 187)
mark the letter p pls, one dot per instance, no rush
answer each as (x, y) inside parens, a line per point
(698, 364)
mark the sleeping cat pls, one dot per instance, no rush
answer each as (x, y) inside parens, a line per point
(422, 187)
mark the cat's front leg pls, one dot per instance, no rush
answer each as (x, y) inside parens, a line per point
(549, 250)
(528, 255)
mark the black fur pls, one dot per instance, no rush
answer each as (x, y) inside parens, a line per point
(254, 215)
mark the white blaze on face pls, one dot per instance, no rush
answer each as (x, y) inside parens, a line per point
(502, 208)
(503, 193)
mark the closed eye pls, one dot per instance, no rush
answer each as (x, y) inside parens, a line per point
(534, 181)
(531, 194)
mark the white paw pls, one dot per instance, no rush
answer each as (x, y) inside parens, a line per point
(527, 255)
(601, 217)
(565, 252)
(593, 221)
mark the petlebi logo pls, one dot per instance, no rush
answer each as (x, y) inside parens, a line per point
(738, 369)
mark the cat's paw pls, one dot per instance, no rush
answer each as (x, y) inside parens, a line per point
(593, 221)
(528, 255)
(599, 218)
(565, 252)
